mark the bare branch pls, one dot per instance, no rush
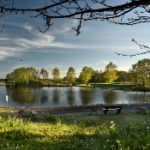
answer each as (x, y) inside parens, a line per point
(89, 10)
(141, 46)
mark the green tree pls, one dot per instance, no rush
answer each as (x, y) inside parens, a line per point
(71, 75)
(110, 73)
(142, 73)
(56, 74)
(23, 76)
(97, 77)
(44, 73)
(123, 76)
(131, 76)
(86, 75)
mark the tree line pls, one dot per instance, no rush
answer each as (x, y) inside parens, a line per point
(139, 74)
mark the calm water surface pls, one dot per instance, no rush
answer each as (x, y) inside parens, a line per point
(67, 96)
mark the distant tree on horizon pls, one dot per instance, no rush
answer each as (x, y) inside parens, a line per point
(97, 76)
(142, 73)
(71, 75)
(85, 75)
(23, 76)
(110, 73)
(44, 73)
(56, 74)
(123, 76)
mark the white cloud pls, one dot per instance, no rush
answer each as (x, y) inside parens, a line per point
(65, 29)
(20, 45)
(27, 27)
(42, 41)
(3, 39)
(6, 52)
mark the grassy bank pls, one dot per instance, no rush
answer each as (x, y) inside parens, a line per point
(84, 132)
(120, 86)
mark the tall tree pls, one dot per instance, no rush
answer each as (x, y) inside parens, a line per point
(142, 73)
(71, 75)
(97, 76)
(110, 73)
(23, 76)
(123, 76)
(44, 73)
(56, 74)
(86, 74)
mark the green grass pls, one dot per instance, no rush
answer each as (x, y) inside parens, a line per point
(120, 86)
(128, 131)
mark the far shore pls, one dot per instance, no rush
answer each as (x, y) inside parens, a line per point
(112, 86)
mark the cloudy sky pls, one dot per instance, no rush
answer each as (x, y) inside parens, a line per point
(60, 47)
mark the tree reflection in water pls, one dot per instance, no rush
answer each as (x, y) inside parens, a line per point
(110, 97)
(22, 95)
(139, 97)
(56, 96)
(86, 95)
(71, 96)
(44, 96)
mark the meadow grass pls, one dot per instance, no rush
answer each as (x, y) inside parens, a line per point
(127, 131)
(120, 86)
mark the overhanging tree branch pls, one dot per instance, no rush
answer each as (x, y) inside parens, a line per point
(127, 12)
(85, 11)
(141, 46)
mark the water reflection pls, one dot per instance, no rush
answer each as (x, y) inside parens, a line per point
(56, 96)
(110, 97)
(21, 94)
(86, 95)
(71, 96)
(139, 97)
(44, 96)
(66, 96)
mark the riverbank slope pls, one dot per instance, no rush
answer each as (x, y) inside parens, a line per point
(84, 131)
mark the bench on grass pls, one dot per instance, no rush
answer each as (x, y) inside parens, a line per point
(116, 108)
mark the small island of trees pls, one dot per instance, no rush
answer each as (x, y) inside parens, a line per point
(138, 75)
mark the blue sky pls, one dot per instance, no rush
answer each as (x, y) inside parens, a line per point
(60, 47)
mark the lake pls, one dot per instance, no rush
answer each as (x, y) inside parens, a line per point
(67, 96)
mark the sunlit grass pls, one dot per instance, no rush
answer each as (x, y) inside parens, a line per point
(84, 132)
(120, 86)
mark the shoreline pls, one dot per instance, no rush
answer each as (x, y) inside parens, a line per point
(62, 110)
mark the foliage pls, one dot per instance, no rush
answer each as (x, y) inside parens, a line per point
(120, 86)
(84, 132)
(122, 76)
(142, 73)
(110, 73)
(71, 75)
(97, 77)
(86, 74)
(23, 76)
(56, 74)
(44, 73)
(139, 74)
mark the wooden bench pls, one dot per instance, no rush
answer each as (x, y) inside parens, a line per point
(116, 108)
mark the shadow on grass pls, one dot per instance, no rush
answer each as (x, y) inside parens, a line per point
(114, 140)
(100, 137)
(24, 140)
